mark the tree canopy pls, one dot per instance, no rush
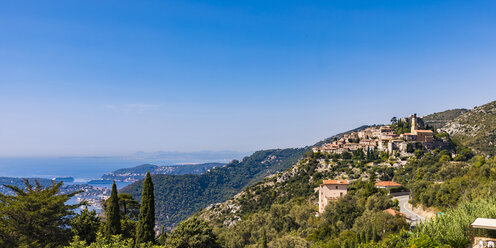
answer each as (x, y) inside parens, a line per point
(35, 216)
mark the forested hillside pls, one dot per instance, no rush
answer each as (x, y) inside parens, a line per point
(283, 207)
(179, 196)
(139, 172)
(280, 210)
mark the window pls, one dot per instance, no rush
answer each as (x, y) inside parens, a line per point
(336, 187)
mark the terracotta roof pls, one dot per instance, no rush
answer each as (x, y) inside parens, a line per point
(395, 212)
(388, 184)
(335, 182)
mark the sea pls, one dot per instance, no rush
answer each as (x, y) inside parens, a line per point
(82, 169)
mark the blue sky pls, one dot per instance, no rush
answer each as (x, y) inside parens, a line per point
(115, 77)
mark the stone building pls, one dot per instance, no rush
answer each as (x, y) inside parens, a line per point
(422, 135)
(331, 190)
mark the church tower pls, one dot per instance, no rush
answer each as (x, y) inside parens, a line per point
(414, 124)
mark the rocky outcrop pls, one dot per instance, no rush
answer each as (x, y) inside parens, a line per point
(475, 129)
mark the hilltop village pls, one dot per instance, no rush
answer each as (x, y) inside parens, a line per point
(400, 139)
(396, 139)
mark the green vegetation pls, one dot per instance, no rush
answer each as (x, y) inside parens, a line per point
(112, 214)
(177, 197)
(140, 171)
(475, 129)
(146, 221)
(399, 126)
(192, 233)
(452, 229)
(280, 210)
(437, 182)
(85, 224)
(35, 216)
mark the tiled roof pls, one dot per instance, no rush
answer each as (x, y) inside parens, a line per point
(395, 212)
(335, 182)
(388, 184)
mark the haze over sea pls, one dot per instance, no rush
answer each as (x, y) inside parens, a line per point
(93, 167)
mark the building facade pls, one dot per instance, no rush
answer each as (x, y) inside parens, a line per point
(331, 190)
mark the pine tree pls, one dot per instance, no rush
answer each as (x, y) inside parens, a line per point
(193, 233)
(112, 213)
(146, 218)
(85, 225)
(35, 216)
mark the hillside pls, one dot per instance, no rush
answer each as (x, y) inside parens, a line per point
(283, 206)
(439, 119)
(280, 210)
(139, 172)
(475, 129)
(179, 196)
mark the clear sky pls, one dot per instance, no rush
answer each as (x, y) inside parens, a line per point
(115, 77)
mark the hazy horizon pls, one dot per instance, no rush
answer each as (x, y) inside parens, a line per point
(98, 78)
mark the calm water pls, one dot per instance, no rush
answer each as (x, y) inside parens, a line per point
(81, 168)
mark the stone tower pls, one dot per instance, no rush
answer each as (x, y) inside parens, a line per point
(414, 123)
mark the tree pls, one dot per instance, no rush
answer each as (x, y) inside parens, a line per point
(146, 219)
(115, 241)
(128, 206)
(394, 120)
(163, 236)
(192, 233)
(35, 216)
(128, 210)
(112, 213)
(85, 225)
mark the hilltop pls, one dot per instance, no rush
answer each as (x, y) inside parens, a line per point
(137, 173)
(475, 129)
(439, 119)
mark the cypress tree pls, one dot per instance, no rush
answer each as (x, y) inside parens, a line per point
(163, 236)
(112, 213)
(368, 235)
(146, 218)
(375, 238)
(362, 237)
